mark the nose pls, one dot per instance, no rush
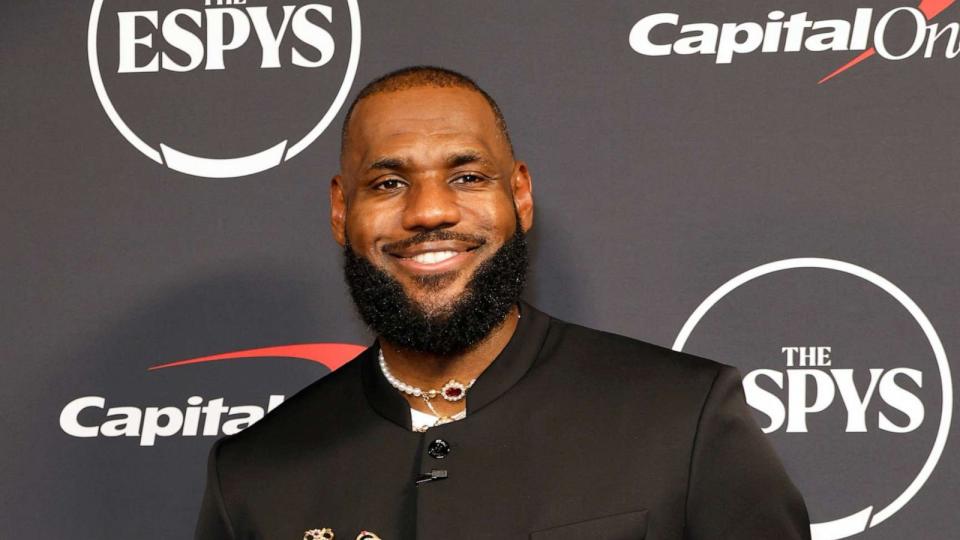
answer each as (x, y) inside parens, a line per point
(431, 205)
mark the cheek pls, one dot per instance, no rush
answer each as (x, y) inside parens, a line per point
(372, 219)
(362, 231)
(499, 224)
(492, 212)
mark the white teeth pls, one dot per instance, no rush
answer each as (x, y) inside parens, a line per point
(433, 257)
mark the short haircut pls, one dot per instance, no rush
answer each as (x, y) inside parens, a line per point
(418, 77)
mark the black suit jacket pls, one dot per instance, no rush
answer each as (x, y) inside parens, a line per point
(570, 433)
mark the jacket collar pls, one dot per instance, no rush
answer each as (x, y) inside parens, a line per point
(507, 369)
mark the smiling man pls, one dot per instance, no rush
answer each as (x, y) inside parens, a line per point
(473, 414)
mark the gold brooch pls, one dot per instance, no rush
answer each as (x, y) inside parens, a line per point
(327, 534)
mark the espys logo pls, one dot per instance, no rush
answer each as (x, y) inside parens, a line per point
(858, 398)
(215, 417)
(261, 81)
(780, 33)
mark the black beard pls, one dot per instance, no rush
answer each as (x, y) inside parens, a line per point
(492, 291)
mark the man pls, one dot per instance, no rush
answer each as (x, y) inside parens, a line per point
(474, 415)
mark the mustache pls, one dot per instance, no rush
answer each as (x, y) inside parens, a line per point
(433, 236)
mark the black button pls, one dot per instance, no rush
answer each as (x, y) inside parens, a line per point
(438, 449)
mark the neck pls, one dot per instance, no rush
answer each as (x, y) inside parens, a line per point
(426, 371)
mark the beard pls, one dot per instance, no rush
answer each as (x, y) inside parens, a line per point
(445, 330)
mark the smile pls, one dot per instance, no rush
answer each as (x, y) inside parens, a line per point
(435, 262)
(435, 257)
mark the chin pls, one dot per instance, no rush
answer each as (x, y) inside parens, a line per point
(437, 303)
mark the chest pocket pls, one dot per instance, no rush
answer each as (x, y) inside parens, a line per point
(625, 526)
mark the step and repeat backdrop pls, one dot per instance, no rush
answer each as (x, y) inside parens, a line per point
(769, 184)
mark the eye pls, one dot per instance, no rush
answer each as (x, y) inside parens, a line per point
(468, 178)
(390, 184)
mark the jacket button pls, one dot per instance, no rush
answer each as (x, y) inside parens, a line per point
(438, 449)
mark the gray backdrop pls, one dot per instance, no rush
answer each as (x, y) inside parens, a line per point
(658, 179)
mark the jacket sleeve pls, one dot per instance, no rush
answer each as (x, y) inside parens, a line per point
(213, 523)
(738, 487)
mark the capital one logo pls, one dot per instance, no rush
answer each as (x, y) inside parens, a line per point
(192, 59)
(97, 416)
(852, 401)
(781, 33)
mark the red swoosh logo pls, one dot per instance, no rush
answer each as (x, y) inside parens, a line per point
(929, 8)
(331, 355)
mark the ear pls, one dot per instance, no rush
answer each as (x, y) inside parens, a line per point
(522, 186)
(338, 210)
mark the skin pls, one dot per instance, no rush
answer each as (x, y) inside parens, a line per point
(425, 159)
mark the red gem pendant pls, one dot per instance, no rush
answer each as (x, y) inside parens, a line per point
(453, 390)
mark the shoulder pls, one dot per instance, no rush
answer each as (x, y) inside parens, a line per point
(605, 358)
(640, 388)
(605, 350)
(326, 402)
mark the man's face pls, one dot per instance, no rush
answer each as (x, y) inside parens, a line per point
(428, 190)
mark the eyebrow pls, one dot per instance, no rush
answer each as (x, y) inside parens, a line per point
(457, 159)
(465, 158)
(389, 163)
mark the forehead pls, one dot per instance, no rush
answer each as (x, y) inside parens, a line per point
(422, 121)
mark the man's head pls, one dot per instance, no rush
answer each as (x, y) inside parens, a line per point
(431, 207)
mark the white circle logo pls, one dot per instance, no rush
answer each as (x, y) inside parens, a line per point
(200, 39)
(859, 521)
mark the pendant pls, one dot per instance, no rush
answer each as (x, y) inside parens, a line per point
(453, 390)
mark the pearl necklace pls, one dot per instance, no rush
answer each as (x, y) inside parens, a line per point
(452, 391)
